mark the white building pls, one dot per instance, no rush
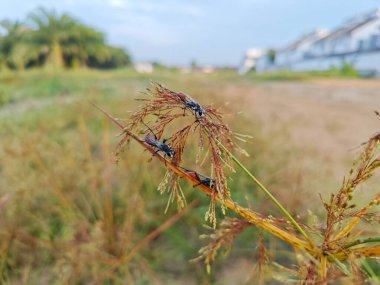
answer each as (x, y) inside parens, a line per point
(143, 67)
(250, 58)
(289, 57)
(356, 42)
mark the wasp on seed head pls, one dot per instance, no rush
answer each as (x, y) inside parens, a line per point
(202, 179)
(161, 146)
(191, 104)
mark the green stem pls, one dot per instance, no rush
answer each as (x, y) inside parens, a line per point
(268, 193)
(372, 274)
(363, 241)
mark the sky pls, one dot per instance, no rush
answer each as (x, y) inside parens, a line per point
(209, 32)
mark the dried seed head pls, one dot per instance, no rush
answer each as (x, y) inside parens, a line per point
(222, 238)
(215, 137)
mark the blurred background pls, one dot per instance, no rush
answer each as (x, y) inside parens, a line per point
(300, 77)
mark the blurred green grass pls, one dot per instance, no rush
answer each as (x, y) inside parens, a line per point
(67, 210)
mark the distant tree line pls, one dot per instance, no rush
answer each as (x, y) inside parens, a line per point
(49, 39)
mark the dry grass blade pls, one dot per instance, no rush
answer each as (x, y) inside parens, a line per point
(365, 251)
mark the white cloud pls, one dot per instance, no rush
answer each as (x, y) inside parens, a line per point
(117, 3)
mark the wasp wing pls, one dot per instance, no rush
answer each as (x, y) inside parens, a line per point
(188, 97)
(149, 139)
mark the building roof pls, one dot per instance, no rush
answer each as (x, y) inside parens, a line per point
(352, 25)
(310, 37)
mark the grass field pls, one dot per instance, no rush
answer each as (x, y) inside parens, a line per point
(69, 213)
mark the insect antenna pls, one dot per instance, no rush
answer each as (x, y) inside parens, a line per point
(149, 129)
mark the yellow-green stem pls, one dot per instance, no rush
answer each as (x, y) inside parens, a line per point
(363, 241)
(322, 270)
(372, 274)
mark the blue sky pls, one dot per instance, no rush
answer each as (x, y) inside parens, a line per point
(176, 32)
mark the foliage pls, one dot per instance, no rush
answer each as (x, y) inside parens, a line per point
(13, 47)
(56, 41)
(271, 55)
(349, 70)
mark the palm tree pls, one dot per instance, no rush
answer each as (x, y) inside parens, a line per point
(84, 43)
(56, 40)
(13, 47)
(51, 32)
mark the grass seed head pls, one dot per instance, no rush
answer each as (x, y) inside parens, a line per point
(163, 108)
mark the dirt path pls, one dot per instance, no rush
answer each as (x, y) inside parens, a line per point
(332, 116)
(324, 121)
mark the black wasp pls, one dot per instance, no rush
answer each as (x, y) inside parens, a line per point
(161, 146)
(202, 179)
(191, 104)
